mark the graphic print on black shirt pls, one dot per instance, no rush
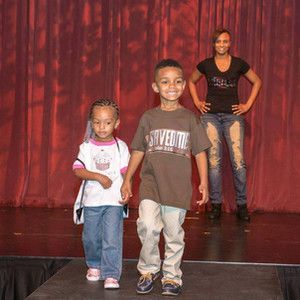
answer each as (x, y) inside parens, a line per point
(221, 82)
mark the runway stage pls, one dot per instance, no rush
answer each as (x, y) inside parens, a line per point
(201, 281)
(222, 260)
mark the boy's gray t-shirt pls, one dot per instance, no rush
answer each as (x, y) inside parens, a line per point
(168, 139)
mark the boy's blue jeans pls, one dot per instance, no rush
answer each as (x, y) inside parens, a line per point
(231, 127)
(102, 239)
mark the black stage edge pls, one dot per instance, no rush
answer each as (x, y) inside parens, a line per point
(20, 276)
(202, 280)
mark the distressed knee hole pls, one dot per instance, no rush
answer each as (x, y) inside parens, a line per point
(235, 136)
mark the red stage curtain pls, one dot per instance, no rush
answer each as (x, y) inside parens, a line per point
(58, 56)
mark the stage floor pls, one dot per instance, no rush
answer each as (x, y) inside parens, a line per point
(201, 281)
(227, 259)
(268, 238)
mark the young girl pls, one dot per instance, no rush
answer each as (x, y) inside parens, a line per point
(102, 160)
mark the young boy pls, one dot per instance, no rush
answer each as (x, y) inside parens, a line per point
(165, 138)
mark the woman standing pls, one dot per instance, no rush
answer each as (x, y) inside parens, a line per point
(222, 116)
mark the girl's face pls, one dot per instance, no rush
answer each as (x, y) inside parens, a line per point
(104, 122)
(222, 44)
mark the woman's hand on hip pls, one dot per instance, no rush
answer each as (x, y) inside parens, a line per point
(239, 109)
(203, 106)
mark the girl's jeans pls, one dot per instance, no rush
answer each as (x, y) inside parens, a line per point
(231, 127)
(102, 239)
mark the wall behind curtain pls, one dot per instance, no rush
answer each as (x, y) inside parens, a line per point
(58, 56)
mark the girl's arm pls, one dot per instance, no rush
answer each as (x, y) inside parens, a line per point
(88, 175)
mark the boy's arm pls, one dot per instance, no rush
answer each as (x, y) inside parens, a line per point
(201, 161)
(88, 175)
(134, 162)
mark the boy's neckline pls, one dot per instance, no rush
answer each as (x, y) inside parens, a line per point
(167, 110)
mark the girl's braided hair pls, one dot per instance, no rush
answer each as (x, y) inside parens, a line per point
(89, 133)
(107, 103)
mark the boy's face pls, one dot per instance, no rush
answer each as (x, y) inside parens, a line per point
(104, 122)
(169, 83)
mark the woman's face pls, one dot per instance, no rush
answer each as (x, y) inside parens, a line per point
(222, 44)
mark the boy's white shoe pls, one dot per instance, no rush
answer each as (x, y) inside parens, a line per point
(93, 274)
(111, 283)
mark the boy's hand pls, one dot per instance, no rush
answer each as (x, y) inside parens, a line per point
(126, 192)
(204, 192)
(104, 181)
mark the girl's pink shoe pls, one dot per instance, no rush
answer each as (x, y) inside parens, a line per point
(93, 274)
(111, 283)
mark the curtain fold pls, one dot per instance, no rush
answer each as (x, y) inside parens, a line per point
(57, 57)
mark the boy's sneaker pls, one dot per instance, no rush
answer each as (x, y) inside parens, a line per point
(111, 283)
(145, 283)
(93, 274)
(170, 288)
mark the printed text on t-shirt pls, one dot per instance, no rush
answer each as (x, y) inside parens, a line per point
(168, 140)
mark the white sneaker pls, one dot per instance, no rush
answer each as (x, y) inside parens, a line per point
(111, 283)
(93, 274)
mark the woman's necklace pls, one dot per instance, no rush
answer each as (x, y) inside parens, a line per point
(223, 64)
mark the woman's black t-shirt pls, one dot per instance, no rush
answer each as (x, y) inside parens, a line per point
(222, 87)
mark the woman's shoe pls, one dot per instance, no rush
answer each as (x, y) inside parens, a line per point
(215, 212)
(242, 213)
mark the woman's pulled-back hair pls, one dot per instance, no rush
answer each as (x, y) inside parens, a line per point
(89, 133)
(218, 32)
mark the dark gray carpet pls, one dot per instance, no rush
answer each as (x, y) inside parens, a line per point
(201, 281)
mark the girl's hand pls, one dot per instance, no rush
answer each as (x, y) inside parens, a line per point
(104, 181)
(204, 192)
(239, 109)
(126, 192)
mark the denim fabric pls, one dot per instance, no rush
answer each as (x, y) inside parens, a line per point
(230, 127)
(102, 239)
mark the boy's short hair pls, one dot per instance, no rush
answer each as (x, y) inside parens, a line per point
(168, 62)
